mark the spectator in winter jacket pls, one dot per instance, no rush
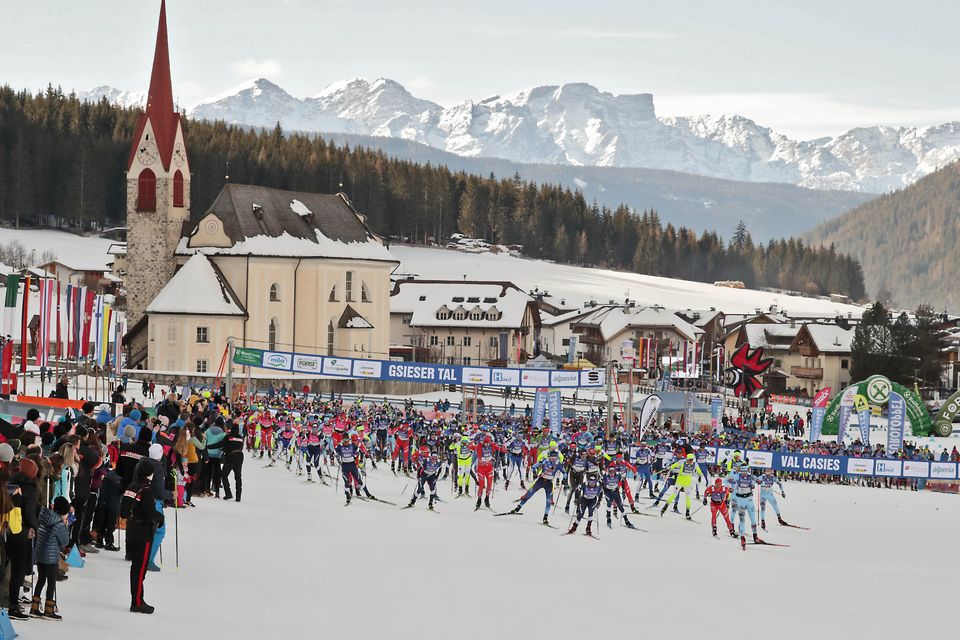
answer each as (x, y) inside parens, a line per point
(144, 519)
(52, 536)
(161, 495)
(105, 520)
(215, 436)
(132, 454)
(18, 545)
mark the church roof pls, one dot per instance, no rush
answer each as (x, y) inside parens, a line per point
(163, 118)
(198, 288)
(351, 319)
(272, 222)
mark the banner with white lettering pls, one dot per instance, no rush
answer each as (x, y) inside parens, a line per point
(554, 410)
(539, 407)
(896, 421)
(820, 401)
(338, 367)
(716, 412)
(846, 408)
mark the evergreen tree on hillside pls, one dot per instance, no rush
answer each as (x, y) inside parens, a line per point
(62, 163)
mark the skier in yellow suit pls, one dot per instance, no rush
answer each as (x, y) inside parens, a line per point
(688, 476)
(464, 464)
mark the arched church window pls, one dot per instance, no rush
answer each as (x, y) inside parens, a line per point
(330, 338)
(272, 334)
(275, 292)
(178, 189)
(147, 191)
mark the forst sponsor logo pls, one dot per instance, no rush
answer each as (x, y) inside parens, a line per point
(311, 364)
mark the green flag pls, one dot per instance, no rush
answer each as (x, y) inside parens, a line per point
(13, 291)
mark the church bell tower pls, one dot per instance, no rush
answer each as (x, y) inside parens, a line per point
(158, 187)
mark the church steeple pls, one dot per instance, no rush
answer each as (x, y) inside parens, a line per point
(163, 119)
(158, 186)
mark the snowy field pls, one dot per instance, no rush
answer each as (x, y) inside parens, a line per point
(68, 247)
(579, 284)
(290, 561)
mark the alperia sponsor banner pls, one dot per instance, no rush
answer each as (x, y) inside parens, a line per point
(417, 371)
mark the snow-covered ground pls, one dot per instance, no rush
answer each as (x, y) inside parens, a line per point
(69, 248)
(290, 561)
(577, 285)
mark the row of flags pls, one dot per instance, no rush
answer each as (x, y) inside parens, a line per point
(684, 357)
(86, 314)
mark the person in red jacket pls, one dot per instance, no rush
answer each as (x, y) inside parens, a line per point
(402, 436)
(483, 454)
(719, 495)
(622, 467)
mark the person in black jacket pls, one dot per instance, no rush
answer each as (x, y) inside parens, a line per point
(19, 544)
(141, 525)
(130, 455)
(105, 519)
(62, 387)
(232, 461)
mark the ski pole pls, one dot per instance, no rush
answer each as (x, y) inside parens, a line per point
(176, 538)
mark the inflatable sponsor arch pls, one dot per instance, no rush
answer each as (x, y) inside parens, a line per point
(877, 390)
(943, 423)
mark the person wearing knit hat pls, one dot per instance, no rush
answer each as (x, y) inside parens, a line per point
(28, 468)
(52, 535)
(162, 494)
(128, 434)
(144, 519)
(31, 426)
(164, 420)
(135, 415)
(6, 453)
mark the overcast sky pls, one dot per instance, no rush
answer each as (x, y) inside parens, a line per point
(808, 68)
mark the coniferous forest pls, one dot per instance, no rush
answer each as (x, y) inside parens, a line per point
(62, 163)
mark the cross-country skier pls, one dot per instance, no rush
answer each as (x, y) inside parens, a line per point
(484, 452)
(719, 495)
(576, 468)
(428, 468)
(611, 491)
(464, 455)
(516, 447)
(348, 452)
(688, 473)
(546, 471)
(401, 435)
(767, 480)
(742, 482)
(641, 456)
(623, 467)
(588, 499)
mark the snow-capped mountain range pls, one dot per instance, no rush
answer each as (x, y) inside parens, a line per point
(577, 124)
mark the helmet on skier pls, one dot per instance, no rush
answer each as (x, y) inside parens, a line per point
(355, 438)
(487, 439)
(553, 444)
(718, 482)
(691, 457)
(553, 453)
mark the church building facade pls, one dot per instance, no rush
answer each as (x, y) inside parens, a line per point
(274, 269)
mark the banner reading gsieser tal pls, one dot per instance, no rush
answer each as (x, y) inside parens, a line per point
(364, 369)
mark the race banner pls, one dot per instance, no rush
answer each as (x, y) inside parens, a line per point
(716, 412)
(539, 408)
(839, 465)
(554, 410)
(862, 406)
(820, 402)
(648, 412)
(896, 421)
(418, 371)
(846, 407)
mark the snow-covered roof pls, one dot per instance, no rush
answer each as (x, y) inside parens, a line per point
(261, 221)
(436, 303)
(612, 320)
(198, 288)
(831, 338)
(568, 316)
(770, 336)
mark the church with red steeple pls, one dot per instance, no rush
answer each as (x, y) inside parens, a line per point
(158, 188)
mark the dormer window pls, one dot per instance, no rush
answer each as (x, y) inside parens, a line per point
(493, 313)
(443, 313)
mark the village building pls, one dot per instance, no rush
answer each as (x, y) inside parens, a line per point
(464, 322)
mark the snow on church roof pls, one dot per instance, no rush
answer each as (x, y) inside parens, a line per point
(262, 221)
(198, 288)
